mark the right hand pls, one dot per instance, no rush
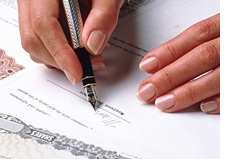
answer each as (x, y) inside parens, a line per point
(43, 38)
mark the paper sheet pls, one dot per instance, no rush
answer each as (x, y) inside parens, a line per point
(45, 99)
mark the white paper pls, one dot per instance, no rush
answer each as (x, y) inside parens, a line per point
(45, 99)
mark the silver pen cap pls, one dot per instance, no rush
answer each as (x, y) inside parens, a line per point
(74, 19)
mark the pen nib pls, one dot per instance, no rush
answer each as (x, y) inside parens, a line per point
(91, 96)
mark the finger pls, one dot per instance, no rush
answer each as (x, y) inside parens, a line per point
(33, 58)
(30, 42)
(99, 24)
(211, 105)
(202, 59)
(170, 51)
(190, 93)
(46, 25)
(97, 62)
(40, 62)
(49, 66)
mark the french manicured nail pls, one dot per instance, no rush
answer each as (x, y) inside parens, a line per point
(98, 65)
(70, 77)
(96, 41)
(208, 106)
(165, 102)
(149, 64)
(146, 92)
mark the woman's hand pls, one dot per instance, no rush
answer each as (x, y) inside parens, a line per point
(177, 69)
(42, 35)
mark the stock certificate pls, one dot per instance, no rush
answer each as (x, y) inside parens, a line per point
(43, 116)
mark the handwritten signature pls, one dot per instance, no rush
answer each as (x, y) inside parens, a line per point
(108, 119)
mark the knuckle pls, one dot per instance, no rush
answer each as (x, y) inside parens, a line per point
(167, 76)
(172, 49)
(37, 22)
(41, 25)
(28, 42)
(210, 54)
(191, 93)
(202, 30)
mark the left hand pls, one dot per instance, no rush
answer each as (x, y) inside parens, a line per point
(176, 65)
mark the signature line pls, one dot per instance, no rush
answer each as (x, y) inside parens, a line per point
(85, 100)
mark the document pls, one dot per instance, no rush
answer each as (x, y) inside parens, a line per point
(41, 108)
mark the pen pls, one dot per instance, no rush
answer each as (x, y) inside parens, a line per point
(75, 25)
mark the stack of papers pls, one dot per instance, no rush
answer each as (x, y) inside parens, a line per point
(41, 111)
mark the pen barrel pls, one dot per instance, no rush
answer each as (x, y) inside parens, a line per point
(74, 20)
(84, 58)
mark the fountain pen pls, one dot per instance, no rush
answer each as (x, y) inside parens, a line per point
(75, 25)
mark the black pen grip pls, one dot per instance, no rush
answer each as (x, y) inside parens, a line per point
(84, 58)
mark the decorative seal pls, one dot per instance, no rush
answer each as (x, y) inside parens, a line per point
(8, 65)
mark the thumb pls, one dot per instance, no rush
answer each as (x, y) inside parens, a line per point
(100, 24)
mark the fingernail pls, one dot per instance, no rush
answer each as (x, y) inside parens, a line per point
(165, 102)
(70, 77)
(146, 92)
(95, 41)
(149, 64)
(208, 106)
(98, 66)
